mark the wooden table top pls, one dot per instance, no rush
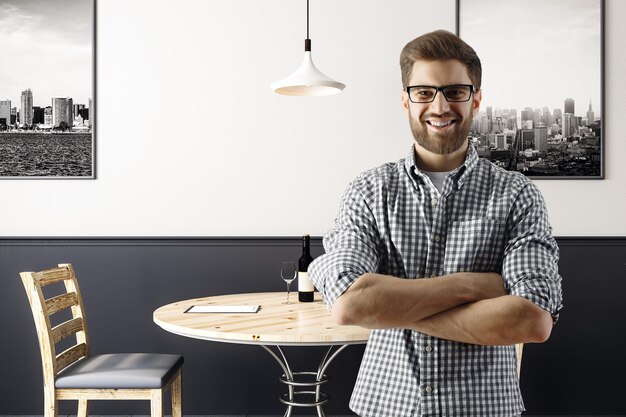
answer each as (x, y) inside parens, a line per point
(275, 323)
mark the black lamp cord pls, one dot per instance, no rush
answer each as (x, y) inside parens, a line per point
(307, 41)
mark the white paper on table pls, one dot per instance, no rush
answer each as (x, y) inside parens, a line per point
(223, 309)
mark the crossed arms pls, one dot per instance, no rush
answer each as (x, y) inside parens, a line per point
(464, 307)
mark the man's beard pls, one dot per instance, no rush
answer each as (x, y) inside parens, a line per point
(441, 143)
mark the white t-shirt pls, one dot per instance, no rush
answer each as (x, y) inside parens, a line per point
(437, 178)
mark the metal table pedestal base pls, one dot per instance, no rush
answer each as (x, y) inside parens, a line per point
(304, 384)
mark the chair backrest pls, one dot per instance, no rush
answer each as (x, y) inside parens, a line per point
(50, 335)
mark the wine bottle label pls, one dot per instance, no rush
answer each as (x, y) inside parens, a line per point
(304, 283)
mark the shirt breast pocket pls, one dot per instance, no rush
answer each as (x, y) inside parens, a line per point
(475, 245)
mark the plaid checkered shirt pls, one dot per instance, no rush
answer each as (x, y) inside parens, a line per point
(393, 221)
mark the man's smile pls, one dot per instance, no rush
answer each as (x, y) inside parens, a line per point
(440, 125)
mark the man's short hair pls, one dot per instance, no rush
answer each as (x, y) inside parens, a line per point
(439, 45)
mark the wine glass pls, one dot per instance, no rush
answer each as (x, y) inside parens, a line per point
(288, 273)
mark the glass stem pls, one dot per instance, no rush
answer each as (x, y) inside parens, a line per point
(288, 290)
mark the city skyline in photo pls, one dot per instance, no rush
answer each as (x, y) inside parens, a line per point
(580, 109)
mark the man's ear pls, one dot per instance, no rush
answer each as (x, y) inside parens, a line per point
(405, 102)
(477, 97)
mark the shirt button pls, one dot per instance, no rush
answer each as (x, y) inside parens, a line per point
(429, 349)
(429, 389)
(436, 238)
(434, 201)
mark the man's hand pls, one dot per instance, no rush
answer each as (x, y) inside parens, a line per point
(485, 284)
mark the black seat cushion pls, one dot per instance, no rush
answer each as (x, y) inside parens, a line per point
(121, 370)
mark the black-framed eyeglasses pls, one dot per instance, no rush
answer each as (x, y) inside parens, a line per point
(456, 93)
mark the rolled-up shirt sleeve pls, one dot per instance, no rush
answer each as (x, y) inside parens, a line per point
(530, 264)
(351, 247)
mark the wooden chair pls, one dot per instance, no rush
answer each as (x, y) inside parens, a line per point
(73, 374)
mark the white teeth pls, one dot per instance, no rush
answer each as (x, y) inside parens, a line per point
(441, 124)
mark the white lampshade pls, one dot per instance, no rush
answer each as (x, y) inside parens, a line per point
(307, 81)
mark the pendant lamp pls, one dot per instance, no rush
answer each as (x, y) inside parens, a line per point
(307, 80)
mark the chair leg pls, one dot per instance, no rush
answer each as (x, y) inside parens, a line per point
(50, 404)
(83, 408)
(177, 395)
(156, 403)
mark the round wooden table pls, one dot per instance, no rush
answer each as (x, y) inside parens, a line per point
(276, 324)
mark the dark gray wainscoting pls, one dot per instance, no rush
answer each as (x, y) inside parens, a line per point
(577, 372)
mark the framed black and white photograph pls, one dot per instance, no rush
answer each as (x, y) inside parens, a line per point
(542, 106)
(47, 85)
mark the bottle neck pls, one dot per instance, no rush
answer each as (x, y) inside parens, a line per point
(306, 244)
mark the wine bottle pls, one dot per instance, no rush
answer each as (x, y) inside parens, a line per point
(305, 286)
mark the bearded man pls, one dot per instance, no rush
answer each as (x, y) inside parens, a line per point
(448, 258)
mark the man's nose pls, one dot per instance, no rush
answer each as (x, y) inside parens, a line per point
(440, 105)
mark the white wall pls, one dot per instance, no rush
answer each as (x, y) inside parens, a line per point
(192, 142)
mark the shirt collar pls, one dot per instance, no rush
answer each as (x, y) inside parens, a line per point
(459, 175)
